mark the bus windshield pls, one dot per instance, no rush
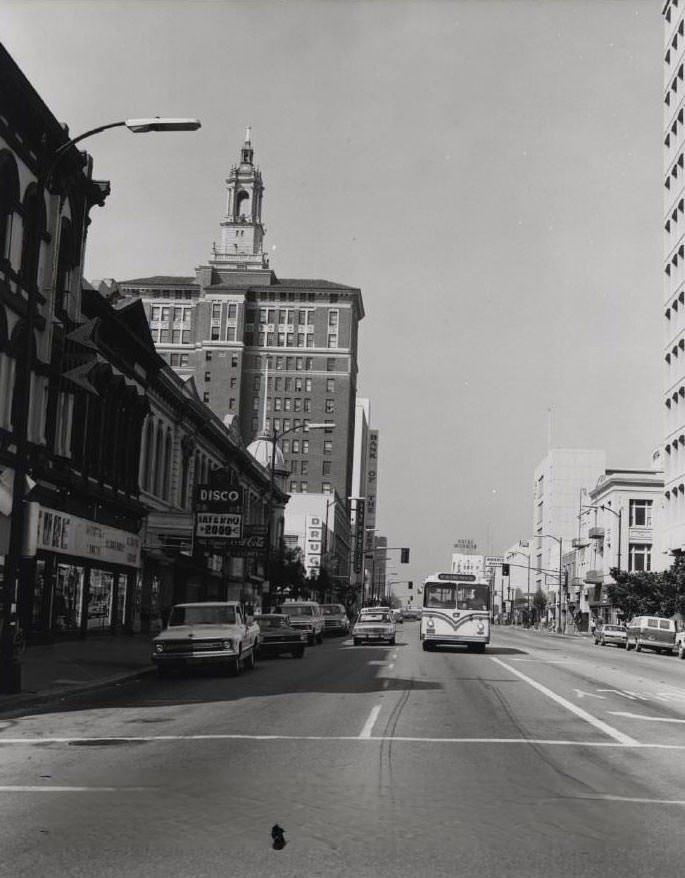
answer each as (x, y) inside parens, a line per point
(456, 596)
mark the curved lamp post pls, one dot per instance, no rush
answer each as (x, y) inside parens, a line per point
(10, 671)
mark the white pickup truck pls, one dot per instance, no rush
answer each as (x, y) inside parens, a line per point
(207, 633)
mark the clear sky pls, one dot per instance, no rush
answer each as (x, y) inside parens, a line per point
(489, 172)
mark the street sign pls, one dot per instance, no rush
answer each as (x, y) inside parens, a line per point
(218, 525)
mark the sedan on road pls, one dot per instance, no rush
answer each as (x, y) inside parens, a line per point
(277, 636)
(615, 634)
(335, 619)
(374, 626)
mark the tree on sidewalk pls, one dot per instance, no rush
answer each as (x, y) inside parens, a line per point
(645, 593)
(539, 604)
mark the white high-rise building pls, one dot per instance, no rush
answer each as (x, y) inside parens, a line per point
(673, 533)
(562, 479)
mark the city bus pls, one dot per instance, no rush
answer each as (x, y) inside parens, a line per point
(456, 609)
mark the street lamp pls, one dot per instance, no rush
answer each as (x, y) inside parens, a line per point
(274, 438)
(559, 540)
(10, 671)
(526, 555)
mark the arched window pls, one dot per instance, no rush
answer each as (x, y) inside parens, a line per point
(34, 229)
(158, 462)
(9, 201)
(66, 262)
(244, 205)
(166, 487)
(146, 455)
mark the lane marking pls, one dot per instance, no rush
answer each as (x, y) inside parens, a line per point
(552, 742)
(649, 719)
(573, 708)
(370, 722)
(631, 800)
(581, 694)
(44, 789)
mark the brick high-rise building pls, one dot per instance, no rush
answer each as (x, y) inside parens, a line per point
(265, 353)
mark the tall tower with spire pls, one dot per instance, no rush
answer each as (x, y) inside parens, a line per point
(242, 232)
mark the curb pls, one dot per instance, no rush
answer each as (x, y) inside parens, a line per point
(16, 703)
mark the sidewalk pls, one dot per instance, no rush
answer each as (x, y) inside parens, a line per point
(57, 670)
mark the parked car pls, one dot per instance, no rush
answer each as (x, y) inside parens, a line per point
(398, 617)
(609, 633)
(411, 613)
(307, 617)
(218, 633)
(335, 619)
(652, 632)
(277, 636)
(374, 624)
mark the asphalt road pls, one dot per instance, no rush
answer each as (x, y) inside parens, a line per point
(546, 756)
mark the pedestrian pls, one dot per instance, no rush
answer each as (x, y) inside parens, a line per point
(593, 624)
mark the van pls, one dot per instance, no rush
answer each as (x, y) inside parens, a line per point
(306, 616)
(652, 632)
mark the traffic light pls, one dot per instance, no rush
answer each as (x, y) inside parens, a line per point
(410, 584)
(404, 556)
(505, 570)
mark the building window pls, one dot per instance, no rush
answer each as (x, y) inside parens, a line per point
(304, 467)
(255, 403)
(208, 356)
(287, 404)
(303, 487)
(256, 384)
(216, 311)
(328, 446)
(330, 406)
(205, 396)
(292, 467)
(308, 385)
(305, 446)
(640, 557)
(332, 318)
(326, 468)
(278, 404)
(641, 513)
(232, 312)
(307, 405)
(234, 360)
(279, 362)
(308, 364)
(298, 404)
(208, 376)
(332, 339)
(326, 488)
(330, 385)
(330, 364)
(293, 487)
(214, 333)
(296, 446)
(231, 403)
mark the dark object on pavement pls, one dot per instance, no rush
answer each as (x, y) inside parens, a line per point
(278, 837)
